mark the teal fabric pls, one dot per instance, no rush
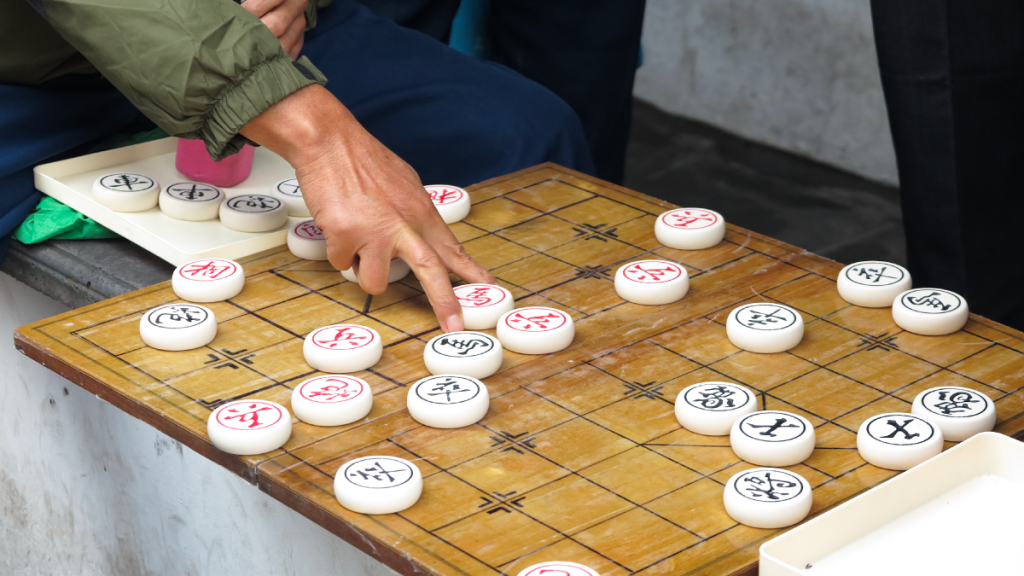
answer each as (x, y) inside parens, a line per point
(469, 29)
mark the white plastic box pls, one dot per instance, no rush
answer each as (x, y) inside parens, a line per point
(176, 241)
(959, 513)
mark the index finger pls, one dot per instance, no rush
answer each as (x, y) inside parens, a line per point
(454, 255)
(432, 274)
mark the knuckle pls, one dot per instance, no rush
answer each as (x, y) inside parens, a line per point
(426, 259)
(328, 221)
(253, 6)
(339, 262)
(447, 301)
(458, 251)
(274, 22)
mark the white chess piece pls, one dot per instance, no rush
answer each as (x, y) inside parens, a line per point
(471, 354)
(306, 240)
(452, 202)
(558, 568)
(898, 441)
(247, 427)
(483, 304)
(126, 192)
(191, 201)
(177, 327)
(767, 498)
(208, 280)
(872, 284)
(253, 213)
(690, 228)
(332, 400)
(289, 192)
(378, 484)
(959, 412)
(342, 348)
(772, 438)
(651, 282)
(397, 270)
(930, 311)
(448, 401)
(711, 408)
(764, 328)
(536, 330)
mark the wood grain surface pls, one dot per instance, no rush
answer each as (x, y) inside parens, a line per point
(580, 457)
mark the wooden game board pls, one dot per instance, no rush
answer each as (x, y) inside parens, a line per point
(580, 457)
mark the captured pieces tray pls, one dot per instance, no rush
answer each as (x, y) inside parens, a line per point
(958, 513)
(176, 241)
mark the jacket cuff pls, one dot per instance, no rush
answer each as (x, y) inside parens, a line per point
(267, 85)
(311, 15)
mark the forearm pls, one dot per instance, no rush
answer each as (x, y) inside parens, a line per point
(324, 142)
(370, 204)
(304, 126)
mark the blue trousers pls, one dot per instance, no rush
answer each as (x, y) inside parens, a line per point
(455, 119)
(585, 51)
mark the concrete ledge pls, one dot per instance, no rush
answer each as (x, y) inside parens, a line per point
(81, 272)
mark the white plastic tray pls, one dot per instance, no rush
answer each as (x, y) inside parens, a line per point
(176, 241)
(958, 513)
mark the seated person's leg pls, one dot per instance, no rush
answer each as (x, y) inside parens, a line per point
(40, 123)
(431, 17)
(585, 51)
(455, 119)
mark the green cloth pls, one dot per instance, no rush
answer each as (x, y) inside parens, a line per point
(196, 68)
(53, 220)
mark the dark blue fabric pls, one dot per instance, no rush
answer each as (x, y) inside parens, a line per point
(10, 219)
(39, 124)
(586, 52)
(431, 17)
(455, 119)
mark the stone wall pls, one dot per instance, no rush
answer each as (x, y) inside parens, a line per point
(800, 75)
(87, 490)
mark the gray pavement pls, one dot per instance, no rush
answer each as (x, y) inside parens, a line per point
(810, 205)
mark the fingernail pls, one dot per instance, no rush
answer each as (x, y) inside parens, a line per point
(454, 323)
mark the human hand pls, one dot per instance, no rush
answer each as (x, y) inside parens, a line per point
(369, 203)
(285, 18)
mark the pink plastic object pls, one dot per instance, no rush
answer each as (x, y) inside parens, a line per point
(195, 163)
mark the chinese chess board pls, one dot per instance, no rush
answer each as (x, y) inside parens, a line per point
(580, 457)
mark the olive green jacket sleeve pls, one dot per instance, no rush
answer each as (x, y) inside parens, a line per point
(311, 11)
(197, 68)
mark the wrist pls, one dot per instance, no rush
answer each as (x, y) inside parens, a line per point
(303, 127)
